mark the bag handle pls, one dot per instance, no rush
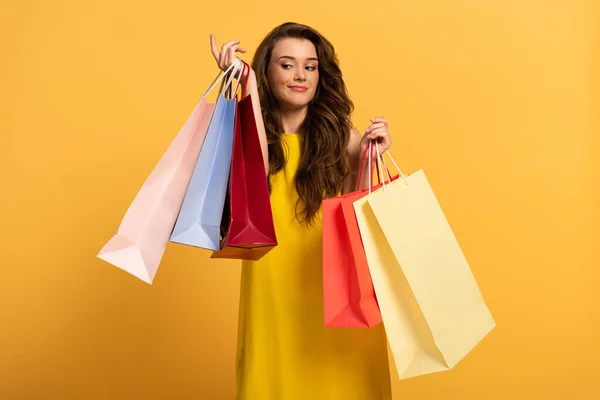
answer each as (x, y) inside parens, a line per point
(217, 79)
(369, 149)
(243, 73)
(362, 166)
(246, 78)
(236, 69)
(379, 161)
(379, 156)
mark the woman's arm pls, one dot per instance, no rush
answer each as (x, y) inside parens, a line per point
(377, 131)
(355, 150)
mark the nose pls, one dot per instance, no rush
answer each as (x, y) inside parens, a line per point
(300, 74)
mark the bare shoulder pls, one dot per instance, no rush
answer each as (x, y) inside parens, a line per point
(354, 154)
(354, 143)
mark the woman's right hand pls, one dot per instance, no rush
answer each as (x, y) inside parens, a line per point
(226, 56)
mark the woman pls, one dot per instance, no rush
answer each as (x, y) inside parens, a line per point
(311, 152)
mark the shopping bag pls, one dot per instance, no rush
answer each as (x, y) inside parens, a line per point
(248, 231)
(142, 236)
(348, 295)
(199, 220)
(431, 305)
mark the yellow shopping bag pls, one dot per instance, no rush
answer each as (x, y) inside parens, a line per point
(431, 305)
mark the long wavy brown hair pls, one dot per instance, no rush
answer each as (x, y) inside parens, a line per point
(325, 161)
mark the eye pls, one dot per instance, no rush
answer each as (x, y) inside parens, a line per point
(286, 66)
(311, 67)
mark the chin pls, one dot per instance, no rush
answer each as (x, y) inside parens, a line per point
(287, 104)
(296, 106)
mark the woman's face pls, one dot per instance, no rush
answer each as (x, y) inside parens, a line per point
(293, 72)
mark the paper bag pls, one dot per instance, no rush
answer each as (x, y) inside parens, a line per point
(247, 227)
(142, 236)
(199, 221)
(348, 296)
(430, 303)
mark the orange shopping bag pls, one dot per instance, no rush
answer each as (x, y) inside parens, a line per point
(348, 295)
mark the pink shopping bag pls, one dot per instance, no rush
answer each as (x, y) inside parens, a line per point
(142, 236)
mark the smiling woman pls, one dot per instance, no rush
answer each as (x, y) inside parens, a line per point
(312, 153)
(290, 75)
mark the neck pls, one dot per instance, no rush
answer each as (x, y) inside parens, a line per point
(292, 119)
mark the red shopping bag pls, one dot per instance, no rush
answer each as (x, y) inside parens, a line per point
(348, 293)
(248, 231)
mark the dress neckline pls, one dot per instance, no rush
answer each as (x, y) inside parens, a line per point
(290, 136)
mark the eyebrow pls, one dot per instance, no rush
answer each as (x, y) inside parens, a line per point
(292, 58)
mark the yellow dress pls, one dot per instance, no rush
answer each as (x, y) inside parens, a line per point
(284, 351)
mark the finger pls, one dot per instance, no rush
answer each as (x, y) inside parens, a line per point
(376, 134)
(379, 119)
(226, 54)
(213, 47)
(375, 126)
(232, 51)
(229, 44)
(231, 56)
(379, 133)
(237, 49)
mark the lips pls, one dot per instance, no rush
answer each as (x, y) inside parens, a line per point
(299, 88)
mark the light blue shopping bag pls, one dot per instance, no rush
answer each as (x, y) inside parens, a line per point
(199, 221)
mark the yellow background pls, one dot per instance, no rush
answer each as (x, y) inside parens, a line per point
(496, 100)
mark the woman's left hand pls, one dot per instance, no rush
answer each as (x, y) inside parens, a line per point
(378, 131)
